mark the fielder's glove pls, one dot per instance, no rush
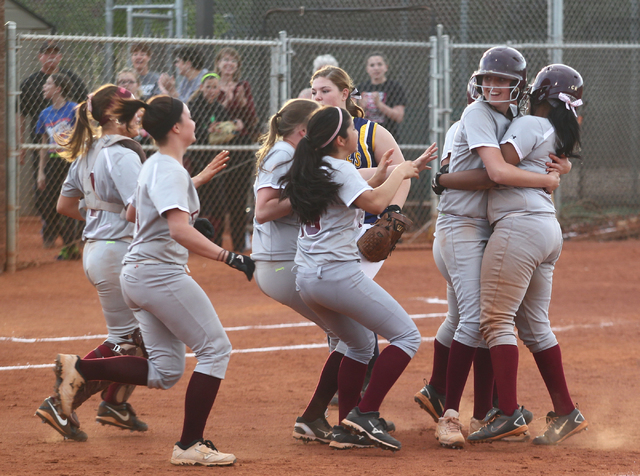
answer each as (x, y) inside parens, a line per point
(435, 183)
(380, 240)
(205, 227)
(242, 263)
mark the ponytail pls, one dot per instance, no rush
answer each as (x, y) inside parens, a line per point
(567, 129)
(99, 107)
(295, 112)
(308, 183)
(81, 137)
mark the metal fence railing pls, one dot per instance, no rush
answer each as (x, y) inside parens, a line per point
(433, 75)
(275, 70)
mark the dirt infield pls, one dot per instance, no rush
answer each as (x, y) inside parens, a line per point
(595, 309)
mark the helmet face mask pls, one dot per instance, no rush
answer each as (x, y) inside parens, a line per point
(503, 62)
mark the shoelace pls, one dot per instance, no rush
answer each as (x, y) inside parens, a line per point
(209, 444)
(452, 424)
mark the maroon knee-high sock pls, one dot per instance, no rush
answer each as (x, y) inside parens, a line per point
(549, 364)
(482, 383)
(505, 368)
(388, 368)
(326, 388)
(439, 371)
(201, 393)
(460, 360)
(104, 352)
(121, 369)
(350, 380)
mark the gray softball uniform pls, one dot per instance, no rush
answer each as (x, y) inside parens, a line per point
(517, 269)
(107, 233)
(331, 280)
(275, 242)
(462, 228)
(448, 328)
(447, 148)
(170, 306)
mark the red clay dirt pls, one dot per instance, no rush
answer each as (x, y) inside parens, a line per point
(594, 309)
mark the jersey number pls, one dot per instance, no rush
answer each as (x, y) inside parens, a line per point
(311, 229)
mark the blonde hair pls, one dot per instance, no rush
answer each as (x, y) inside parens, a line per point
(283, 123)
(342, 80)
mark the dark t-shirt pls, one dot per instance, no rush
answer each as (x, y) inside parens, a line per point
(32, 101)
(391, 93)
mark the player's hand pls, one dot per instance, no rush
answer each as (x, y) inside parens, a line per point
(561, 164)
(242, 263)
(554, 182)
(381, 170)
(427, 156)
(409, 169)
(218, 163)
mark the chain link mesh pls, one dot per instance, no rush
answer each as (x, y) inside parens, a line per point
(600, 40)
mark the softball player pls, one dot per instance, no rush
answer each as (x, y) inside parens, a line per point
(103, 173)
(169, 305)
(462, 229)
(332, 86)
(274, 244)
(328, 194)
(275, 236)
(517, 268)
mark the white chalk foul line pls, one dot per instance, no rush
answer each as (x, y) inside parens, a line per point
(24, 340)
(311, 346)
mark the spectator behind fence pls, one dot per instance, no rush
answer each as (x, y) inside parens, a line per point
(236, 99)
(32, 101)
(54, 121)
(319, 62)
(190, 67)
(383, 100)
(128, 79)
(208, 114)
(148, 80)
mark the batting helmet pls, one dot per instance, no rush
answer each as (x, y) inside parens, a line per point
(555, 79)
(504, 62)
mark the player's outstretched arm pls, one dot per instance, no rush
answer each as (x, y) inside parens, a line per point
(218, 163)
(377, 200)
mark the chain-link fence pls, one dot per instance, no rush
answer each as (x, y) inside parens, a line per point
(601, 41)
(271, 72)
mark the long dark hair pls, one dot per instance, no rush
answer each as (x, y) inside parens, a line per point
(566, 126)
(309, 185)
(159, 116)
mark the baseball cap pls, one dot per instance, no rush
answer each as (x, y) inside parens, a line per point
(50, 45)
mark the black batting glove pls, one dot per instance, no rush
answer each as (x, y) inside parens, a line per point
(205, 227)
(242, 263)
(435, 183)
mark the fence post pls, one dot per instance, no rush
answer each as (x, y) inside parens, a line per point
(556, 23)
(434, 95)
(285, 71)
(274, 84)
(12, 152)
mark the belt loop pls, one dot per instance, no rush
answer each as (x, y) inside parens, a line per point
(319, 272)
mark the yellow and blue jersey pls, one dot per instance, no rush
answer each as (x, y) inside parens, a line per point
(364, 157)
